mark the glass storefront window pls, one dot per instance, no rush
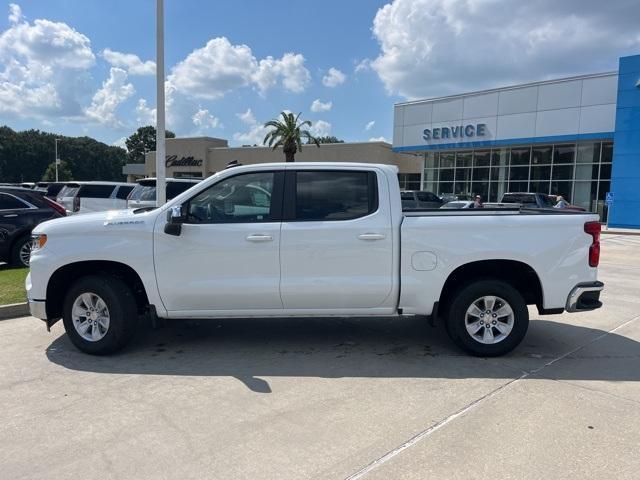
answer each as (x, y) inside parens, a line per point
(541, 172)
(481, 174)
(446, 175)
(480, 188)
(588, 153)
(605, 171)
(431, 175)
(481, 158)
(520, 156)
(431, 160)
(463, 159)
(562, 172)
(540, 186)
(585, 194)
(607, 152)
(519, 173)
(564, 154)
(541, 155)
(518, 186)
(446, 187)
(587, 171)
(447, 159)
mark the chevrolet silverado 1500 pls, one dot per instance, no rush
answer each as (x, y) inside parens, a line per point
(312, 239)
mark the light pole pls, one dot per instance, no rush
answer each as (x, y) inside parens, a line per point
(57, 159)
(161, 192)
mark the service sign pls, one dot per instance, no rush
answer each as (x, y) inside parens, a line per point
(455, 132)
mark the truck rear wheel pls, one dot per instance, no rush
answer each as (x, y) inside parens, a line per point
(488, 318)
(99, 314)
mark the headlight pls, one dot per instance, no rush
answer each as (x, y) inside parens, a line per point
(38, 241)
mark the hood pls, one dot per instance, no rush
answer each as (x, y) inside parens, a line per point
(92, 221)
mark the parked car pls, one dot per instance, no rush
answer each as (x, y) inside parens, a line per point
(85, 197)
(144, 193)
(20, 210)
(452, 197)
(527, 199)
(50, 189)
(458, 204)
(329, 239)
(419, 199)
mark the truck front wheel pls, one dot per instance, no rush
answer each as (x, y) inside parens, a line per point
(487, 318)
(99, 314)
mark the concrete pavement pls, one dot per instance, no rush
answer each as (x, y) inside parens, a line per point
(329, 398)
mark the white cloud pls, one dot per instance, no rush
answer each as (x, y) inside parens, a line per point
(333, 78)
(439, 47)
(15, 13)
(363, 66)
(254, 136)
(247, 117)
(219, 67)
(144, 114)
(370, 125)
(320, 128)
(130, 62)
(121, 142)
(289, 69)
(108, 98)
(318, 106)
(202, 118)
(44, 68)
(378, 139)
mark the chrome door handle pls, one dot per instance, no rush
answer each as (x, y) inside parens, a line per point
(11, 215)
(259, 238)
(371, 236)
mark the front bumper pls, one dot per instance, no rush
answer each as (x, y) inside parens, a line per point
(584, 297)
(38, 309)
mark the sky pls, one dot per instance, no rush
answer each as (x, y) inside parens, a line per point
(87, 67)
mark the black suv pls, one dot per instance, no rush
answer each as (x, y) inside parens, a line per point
(21, 210)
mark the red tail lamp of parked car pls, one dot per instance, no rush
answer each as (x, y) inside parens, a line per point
(594, 229)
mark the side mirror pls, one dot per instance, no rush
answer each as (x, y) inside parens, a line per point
(175, 219)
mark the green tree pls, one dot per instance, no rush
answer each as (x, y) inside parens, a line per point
(26, 156)
(329, 139)
(143, 140)
(64, 173)
(288, 133)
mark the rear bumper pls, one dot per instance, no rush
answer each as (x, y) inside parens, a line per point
(584, 297)
(38, 309)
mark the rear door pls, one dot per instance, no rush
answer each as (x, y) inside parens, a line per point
(336, 240)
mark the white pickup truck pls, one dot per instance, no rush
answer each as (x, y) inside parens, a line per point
(312, 239)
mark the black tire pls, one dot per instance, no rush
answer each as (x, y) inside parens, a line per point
(123, 313)
(463, 300)
(16, 257)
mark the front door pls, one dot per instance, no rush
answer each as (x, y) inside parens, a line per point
(337, 244)
(227, 255)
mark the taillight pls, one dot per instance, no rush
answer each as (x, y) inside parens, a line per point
(56, 206)
(76, 203)
(593, 229)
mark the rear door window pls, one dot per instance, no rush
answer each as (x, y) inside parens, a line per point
(96, 191)
(124, 191)
(9, 202)
(335, 195)
(68, 191)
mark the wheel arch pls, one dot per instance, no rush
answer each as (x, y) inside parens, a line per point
(518, 274)
(63, 278)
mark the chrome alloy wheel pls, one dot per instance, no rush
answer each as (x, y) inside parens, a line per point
(25, 253)
(489, 319)
(90, 317)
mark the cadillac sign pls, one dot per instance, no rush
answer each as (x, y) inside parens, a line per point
(174, 161)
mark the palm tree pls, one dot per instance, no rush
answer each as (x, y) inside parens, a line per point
(288, 134)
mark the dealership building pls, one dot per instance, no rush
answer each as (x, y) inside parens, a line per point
(578, 137)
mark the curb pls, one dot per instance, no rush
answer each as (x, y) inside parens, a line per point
(14, 310)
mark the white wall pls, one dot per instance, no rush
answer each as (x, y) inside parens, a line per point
(578, 105)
